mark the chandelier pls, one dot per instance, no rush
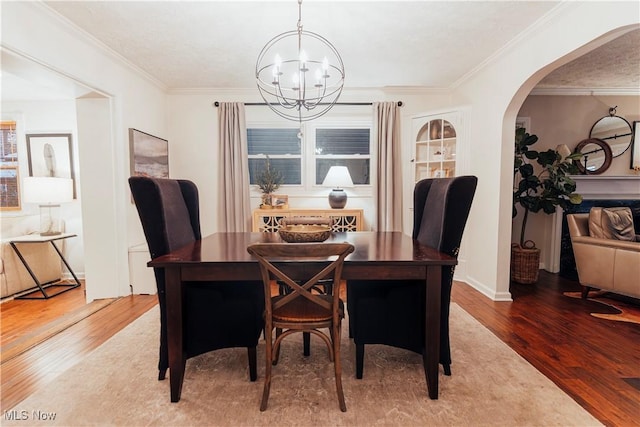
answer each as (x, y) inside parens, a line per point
(300, 74)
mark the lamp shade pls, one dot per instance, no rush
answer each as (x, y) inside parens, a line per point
(47, 190)
(563, 150)
(338, 177)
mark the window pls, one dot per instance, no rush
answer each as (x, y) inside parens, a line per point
(343, 147)
(9, 191)
(8, 143)
(306, 162)
(283, 148)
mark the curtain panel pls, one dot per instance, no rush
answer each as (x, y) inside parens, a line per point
(388, 194)
(234, 208)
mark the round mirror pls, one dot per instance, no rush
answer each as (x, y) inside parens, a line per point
(615, 131)
(596, 156)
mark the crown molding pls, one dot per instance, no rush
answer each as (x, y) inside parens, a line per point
(81, 34)
(396, 90)
(212, 91)
(534, 28)
(578, 91)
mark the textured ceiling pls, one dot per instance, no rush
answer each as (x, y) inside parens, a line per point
(382, 43)
(214, 44)
(613, 65)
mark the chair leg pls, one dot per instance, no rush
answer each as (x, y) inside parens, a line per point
(447, 369)
(267, 374)
(585, 292)
(338, 367)
(277, 355)
(359, 360)
(162, 373)
(253, 363)
(306, 343)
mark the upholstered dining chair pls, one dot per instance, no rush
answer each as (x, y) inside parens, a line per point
(302, 310)
(392, 313)
(217, 315)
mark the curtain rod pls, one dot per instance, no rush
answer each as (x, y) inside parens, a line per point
(217, 103)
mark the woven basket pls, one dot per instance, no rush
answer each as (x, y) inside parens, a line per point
(525, 263)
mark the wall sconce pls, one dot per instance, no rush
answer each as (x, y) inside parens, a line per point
(48, 193)
(338, 178)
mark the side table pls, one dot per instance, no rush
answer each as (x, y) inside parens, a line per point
(43, 287)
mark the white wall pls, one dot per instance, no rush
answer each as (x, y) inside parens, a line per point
(495, 91)
(193, 141)
(30, 30)
(35, 117)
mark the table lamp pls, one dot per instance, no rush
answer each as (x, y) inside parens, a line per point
(48, 193)
(338, 177)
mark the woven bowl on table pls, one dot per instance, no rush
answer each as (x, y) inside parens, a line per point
(301, 233)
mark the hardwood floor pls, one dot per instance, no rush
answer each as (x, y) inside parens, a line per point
(595, 361)
(24, 373)
(590, 359)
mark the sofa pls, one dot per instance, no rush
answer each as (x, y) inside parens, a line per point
(41, 257)
(606, 250)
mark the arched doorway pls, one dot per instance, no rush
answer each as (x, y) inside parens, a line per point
(573, 106)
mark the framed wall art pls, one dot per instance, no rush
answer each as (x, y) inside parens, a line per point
(51, 155)
(635, 146)
(524, 122)
(279, 201)
(149, 155)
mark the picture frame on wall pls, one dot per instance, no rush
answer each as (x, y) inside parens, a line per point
(635, 146)
(149, 154)
(524, 122)
(51, 155)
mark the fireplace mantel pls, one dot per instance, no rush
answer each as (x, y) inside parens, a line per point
(594, 187)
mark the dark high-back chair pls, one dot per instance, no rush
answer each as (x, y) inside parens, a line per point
(393, 313)
(216, 315)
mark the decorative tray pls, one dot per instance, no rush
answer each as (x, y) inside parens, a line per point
(301, 233)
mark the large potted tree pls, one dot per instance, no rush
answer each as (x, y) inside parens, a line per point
(542, 182)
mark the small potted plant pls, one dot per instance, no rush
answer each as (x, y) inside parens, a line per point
(538, 190)
(269, 180)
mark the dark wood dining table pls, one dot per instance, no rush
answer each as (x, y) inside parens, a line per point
(377, 255)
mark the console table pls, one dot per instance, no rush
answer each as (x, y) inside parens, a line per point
(267, 220)
(42, 287)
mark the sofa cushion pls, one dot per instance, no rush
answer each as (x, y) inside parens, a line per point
(611, 223)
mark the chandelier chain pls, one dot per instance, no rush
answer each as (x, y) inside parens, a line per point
(300, 17)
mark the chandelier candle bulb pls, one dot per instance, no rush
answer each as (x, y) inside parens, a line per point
(303, 61)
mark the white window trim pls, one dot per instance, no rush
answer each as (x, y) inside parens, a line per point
(308, 188)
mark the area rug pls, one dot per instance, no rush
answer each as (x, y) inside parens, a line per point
(117, 385)
(615, 307)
